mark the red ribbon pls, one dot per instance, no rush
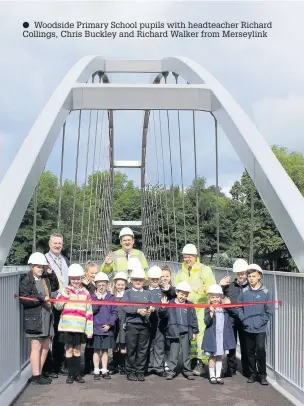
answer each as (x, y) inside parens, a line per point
(183, 305)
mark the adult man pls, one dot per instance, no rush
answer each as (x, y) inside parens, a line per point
(199, 277)
(118, 260)
(60, 265)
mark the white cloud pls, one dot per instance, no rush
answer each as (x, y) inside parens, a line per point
(260, 73)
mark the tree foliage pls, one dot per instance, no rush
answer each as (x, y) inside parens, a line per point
(97, 203)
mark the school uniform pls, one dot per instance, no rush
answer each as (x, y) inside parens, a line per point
(170, 292)
(182, 324)
(118, 363)
(232, 291)
(255, 319)
(157, 337)
(218, 336)
(104, 315)
(137, 333)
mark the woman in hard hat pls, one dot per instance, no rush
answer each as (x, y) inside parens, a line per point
(76, 320)
(200, 277)
(104, 321)
(232, 290)
(182, 327)
(218, 336)
(119, 352)
(39, 283)
(118, 260)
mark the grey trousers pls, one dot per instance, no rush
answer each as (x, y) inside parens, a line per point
(182, 343)
(157, 352)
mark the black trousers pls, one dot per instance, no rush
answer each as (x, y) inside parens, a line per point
(231, 357)
(137, 343)
(256, 352)
(58, 348)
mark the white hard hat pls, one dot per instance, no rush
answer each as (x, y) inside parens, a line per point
(120, 275)
(37, 259)
(133, 263)
(101, 276)
(215, 289)
(138, 272)
(255, 267)
(126, 231)
(190, 249)
(184, 286)
(155, 272)
(240, 265)
(75, 270)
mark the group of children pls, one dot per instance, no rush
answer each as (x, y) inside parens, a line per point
(148, 339)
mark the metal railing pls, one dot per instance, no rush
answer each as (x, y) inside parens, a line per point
(285, 349)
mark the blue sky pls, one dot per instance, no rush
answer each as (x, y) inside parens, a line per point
(265, 76)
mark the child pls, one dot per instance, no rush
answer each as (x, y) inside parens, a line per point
(218, 337)
(182, 327)
(119, 353)
(232, 290)
(165, 283)
(38, 283)
(104, 321)
(76, 321)
(158, 324)
(255, 319)
(137, 326)
(89, 283)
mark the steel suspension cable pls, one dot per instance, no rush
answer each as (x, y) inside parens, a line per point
(196, 183)
(35, 219)
(76, 185)
(165, 188)
(158, 194)
(181, 167)
(97, 184)
(61, 176)
(217, 191)
(85, 189)
(252, 214)
(171, 172)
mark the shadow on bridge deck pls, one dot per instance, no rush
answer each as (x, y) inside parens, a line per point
(154, 391)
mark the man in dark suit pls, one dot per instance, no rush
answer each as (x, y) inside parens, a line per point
(59, 264)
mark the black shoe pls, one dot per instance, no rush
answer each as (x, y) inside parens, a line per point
(169, 376)
(263, 380)
(106, 375)
(251, 379)
(122, 371)
(40, 380)
(51, 375)
(141, 377)
(219, 381)
(63, 371)
(97, 377)
(70, 379)
(131, 377)
(79, 379)
(114, 371)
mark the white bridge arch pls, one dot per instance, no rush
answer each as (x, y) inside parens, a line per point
(280, 195)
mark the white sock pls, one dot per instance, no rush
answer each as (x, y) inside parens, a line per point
(211, 372)
(96, 371)
(218, 368)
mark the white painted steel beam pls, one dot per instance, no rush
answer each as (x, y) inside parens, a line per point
(126, 223)
(127, 164)
(117, 96)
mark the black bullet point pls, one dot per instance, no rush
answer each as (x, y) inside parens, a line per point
(25, 25)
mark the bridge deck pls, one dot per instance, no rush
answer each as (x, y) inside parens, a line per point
(154, 391)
